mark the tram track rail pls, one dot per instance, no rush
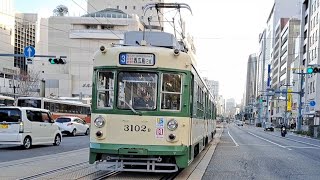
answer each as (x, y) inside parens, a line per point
(46, 173)
(107, 175)
(170, 176)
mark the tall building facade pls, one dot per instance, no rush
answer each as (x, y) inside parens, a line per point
(267, 40)
(251, 83)
(263, 77)
(130, 7)
(7, 69)
(310, 29)
(230, 109)
(221, 106)
(77, 38)
(25, 35)
(251, 87)
(213, 88)
(287, 31)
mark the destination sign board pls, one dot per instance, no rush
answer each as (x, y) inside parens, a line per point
(137, 59)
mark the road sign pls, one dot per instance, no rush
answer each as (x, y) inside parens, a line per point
(312, 103)
(29, 60)
(29, 51)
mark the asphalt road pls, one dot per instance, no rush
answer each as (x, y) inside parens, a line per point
(11, 152)
(251, 153)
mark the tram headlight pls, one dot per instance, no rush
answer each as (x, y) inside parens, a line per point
(172, 125)
(99, 122)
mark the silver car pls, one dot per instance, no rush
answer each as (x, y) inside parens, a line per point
(72, 125)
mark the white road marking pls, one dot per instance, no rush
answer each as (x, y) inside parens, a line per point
(298, 141)
(303, 142)
(293, 134)
(301, 147)
(233, 140)
(269, 141)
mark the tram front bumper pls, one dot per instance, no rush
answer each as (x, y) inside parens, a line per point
(138, 150)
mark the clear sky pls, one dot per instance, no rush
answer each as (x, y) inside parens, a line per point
(226, 32)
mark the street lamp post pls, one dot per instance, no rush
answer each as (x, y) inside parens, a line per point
(12, 85)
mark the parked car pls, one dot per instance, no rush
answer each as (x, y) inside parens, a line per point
(72, 125)
(268, 126)
(28, 126)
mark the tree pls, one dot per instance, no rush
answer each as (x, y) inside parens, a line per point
(29, 83)
(61, 10)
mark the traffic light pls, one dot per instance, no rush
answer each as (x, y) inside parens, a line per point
(262, 100)
(57, 61)
(311, 70)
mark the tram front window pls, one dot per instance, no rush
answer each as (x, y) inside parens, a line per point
(138, 90)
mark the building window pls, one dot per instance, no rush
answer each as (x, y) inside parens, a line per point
(110, 27)
(305, 20)
(125, 7)
(92, 26)
(310, 88)
(305, 34)
(314, 90)
(117, 7)
(134, 7)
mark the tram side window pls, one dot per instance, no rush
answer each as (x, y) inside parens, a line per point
(200, 112)
(195, 99)
(105, 87)
(171, 91)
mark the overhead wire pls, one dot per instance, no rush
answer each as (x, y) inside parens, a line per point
(172, 25)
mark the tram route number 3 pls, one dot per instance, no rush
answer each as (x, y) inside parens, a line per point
(136, 128)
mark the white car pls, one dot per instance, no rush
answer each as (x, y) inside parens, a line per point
(28, 126)
(72, 125)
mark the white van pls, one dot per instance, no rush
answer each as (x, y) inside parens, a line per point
(28, 126)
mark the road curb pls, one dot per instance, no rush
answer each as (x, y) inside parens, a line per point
(198, 167)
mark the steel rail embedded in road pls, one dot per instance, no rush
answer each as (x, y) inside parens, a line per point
(170, 176)
(109, 174)
(52, 171)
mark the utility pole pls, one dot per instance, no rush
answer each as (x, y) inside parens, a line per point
(14, 89)
(301, 92)
(286, 101)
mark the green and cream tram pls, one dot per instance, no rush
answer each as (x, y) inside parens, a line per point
(151, 111)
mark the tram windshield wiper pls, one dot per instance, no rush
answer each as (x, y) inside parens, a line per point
(133, 110)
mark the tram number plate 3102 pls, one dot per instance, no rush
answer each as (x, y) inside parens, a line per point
(136, 128)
